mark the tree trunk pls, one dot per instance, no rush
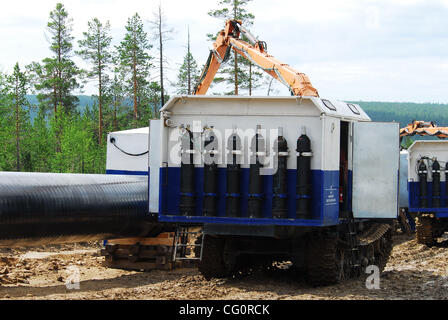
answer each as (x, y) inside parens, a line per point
(235, 5)
(115, 114)
(134, 66)
(58, 89)
(55, 95)
(236, 73)
(100, 105)
(17, 127)
(59, 76)
(250, 79)
(162, 96)
(189, 64)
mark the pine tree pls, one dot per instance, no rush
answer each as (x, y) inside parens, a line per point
(152, 102)
(116, 97)
(188, 75)
(161, 34)
(135, 60)
(238, 72)
(41, 144)
(57, 75)
(18, 91)
(6, 126)
(95, 49)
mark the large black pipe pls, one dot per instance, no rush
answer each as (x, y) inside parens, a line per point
(46, 208)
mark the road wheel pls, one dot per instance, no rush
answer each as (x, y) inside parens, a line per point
(424, 228)
(326, 262)
(212, 264)
(384, 249)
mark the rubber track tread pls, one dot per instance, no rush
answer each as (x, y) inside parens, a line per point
(424, 231)
(323, 267)
(212, 263)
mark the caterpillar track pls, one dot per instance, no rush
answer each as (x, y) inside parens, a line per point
(424, 231)
(428, 229)
(330, 258)
(212, 264)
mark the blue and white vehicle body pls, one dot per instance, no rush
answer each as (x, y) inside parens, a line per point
(428, 151)
(372, 151)
(324, 200)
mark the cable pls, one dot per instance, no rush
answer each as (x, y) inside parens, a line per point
(112, 140)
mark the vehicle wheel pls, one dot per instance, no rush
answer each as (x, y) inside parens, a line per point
(326, 262)
(424, 228)
(384, 249)
(212, 264)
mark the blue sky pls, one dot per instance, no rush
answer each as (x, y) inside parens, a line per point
(394, 50)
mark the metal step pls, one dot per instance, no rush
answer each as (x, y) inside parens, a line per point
(181, 240)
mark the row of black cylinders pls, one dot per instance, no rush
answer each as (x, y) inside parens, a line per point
(255, 204)
(436, 184)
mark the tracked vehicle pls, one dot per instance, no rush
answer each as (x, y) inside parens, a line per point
(299, 178)
(427, 184)
(325, 198)
(274, 179)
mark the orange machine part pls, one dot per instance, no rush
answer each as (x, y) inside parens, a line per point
(298, 83)
(424, 128)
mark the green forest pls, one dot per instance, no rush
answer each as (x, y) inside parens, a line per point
(47, 126)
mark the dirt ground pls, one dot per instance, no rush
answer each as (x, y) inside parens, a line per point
(413, 272)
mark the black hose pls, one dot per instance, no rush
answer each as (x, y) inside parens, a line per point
(113, 141)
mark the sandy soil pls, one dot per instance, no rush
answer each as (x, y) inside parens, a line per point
(413, 272)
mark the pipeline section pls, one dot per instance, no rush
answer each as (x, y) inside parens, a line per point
(48, 208)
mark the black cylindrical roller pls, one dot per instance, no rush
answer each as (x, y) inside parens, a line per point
(210, 179)
(435, 184)
(187, 192)
(280, 180)
(255, 201)
(233, 181)
(422, 177)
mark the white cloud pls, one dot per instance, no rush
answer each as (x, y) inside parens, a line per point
(372, 18)
(352, 49)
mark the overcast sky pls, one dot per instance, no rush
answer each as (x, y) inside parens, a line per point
(383, 50)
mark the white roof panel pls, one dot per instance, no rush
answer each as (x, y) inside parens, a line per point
(132, 131)
(334, 108)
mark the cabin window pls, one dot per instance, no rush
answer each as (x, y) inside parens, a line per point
(353, 108)
(329, 105)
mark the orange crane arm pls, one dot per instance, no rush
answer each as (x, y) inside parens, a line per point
(298, 83)
(423, 128)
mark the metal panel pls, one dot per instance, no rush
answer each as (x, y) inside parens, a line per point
(155, 161)
(375, 169)
(132, 142)
(404, 192)
(431, 149)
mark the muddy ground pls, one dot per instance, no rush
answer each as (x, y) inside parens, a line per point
(414, 272)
